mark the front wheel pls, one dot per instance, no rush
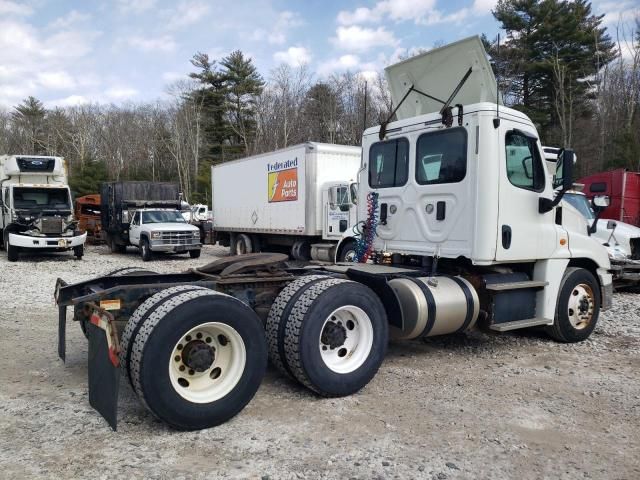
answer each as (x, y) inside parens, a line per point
(347, 252)
(578, 307)
(194, 253)
(145, 250)
(78, 251)
(12, 251)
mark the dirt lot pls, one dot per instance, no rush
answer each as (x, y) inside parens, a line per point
(468, 406)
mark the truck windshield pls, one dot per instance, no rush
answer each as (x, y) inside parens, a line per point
(580, 203)
(162, 216)
(28, 198)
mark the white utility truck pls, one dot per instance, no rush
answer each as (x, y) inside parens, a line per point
(460, 229)
(36, 208)
(300, 198)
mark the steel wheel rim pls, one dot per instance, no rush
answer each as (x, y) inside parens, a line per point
(350, 255)
(345, 355)
(581, 307)
(219, 378)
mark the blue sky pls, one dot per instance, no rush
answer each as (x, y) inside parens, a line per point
(115, 51)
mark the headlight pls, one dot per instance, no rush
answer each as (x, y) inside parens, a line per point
(156, 235)
(196, 234)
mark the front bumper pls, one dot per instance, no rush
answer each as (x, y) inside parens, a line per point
(160, 246)
(606, 288)
(57, 243)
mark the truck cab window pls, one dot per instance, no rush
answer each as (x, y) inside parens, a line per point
(441, 157)
(524, 166)
(354, 193)
(136, 219)
(389, 163)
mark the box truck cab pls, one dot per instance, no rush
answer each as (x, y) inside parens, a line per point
(36, 207)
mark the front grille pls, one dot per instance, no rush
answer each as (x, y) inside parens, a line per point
(51, 225)
(178, 238)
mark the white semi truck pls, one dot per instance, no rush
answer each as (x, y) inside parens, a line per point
(460, 229)
(300, 198)
(36, 208)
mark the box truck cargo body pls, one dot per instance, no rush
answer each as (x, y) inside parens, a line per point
(299, 197)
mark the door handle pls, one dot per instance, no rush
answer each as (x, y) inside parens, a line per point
(441, 210)
(506, 237)
(383, 213)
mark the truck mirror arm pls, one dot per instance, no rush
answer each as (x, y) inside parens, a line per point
(546, 205)
(593, 228)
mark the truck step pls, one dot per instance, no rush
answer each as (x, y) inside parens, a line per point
(529, 322)
(499, 287)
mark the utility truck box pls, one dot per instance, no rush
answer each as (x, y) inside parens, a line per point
(36, 214)
(301, 197)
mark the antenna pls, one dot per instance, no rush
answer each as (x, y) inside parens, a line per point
(496, 121)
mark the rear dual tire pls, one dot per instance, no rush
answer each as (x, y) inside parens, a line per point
(334, 334)
(197, 358)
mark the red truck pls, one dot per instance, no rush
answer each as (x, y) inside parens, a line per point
(623, 188)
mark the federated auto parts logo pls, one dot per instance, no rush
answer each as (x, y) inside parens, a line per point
(283, 181)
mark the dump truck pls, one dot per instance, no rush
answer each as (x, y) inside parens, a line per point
(35, 202)
(146, 215)
(299, 198)
(460, 229)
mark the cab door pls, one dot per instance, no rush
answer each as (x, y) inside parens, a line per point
(523, 233)
(337, 209)
(134, 229)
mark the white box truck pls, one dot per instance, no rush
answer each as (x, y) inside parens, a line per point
(301, 198)
(36, 212)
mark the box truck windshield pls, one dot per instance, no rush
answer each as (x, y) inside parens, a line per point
(49, 198)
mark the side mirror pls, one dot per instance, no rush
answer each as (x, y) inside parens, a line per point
(600, 202)
(564, 169)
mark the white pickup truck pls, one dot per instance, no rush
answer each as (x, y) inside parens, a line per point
(163, 230)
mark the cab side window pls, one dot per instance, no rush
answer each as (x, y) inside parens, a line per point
(524, 165)
(389, 163)
(441, 157)
(136, 219)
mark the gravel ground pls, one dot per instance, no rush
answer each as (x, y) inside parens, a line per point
(466, 406)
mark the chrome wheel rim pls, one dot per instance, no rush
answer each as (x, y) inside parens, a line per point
(207, 362)
(581, 306)
(346, 339)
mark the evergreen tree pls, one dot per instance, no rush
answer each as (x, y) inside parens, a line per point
(87, 180)
(243, 84)
(29, 119)
(552, 47)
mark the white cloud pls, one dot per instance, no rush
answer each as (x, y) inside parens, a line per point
(165, 43)
(186, 13)
(345, 62)
(357, 16)
(120, 93)
(484, 6)
(70, 101)
(135, 6)
(278, 33)
(71, 18)
(7, 7)
(56, 80)
(357, 38)
(171, 77)
(397, 10)
(293, 56)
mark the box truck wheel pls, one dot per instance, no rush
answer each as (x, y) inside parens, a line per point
(578, 306)
(199, 360)
(347, 251)
(144, 310)
(145, 250)
(243, 244)
(336, 337)
(301, 250)
(194, 253)
(78, 251)
(277, 319)
(12, 252)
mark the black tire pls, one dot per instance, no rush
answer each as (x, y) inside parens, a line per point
(347, 251)
(114, 246)
(194, 253)
(576, 282)
(78, 252)
(277, 319)
(305, 327)
(243, 244)
(154, 347)
(144, 310)
(256, 244)
(12, 252)
(145, 250)
(301, 250)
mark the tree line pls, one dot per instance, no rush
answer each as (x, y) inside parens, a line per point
(577, 80)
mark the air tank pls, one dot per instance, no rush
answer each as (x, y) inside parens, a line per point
(434, 305)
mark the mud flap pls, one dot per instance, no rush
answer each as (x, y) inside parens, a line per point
(62, 333)
(104, 370)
